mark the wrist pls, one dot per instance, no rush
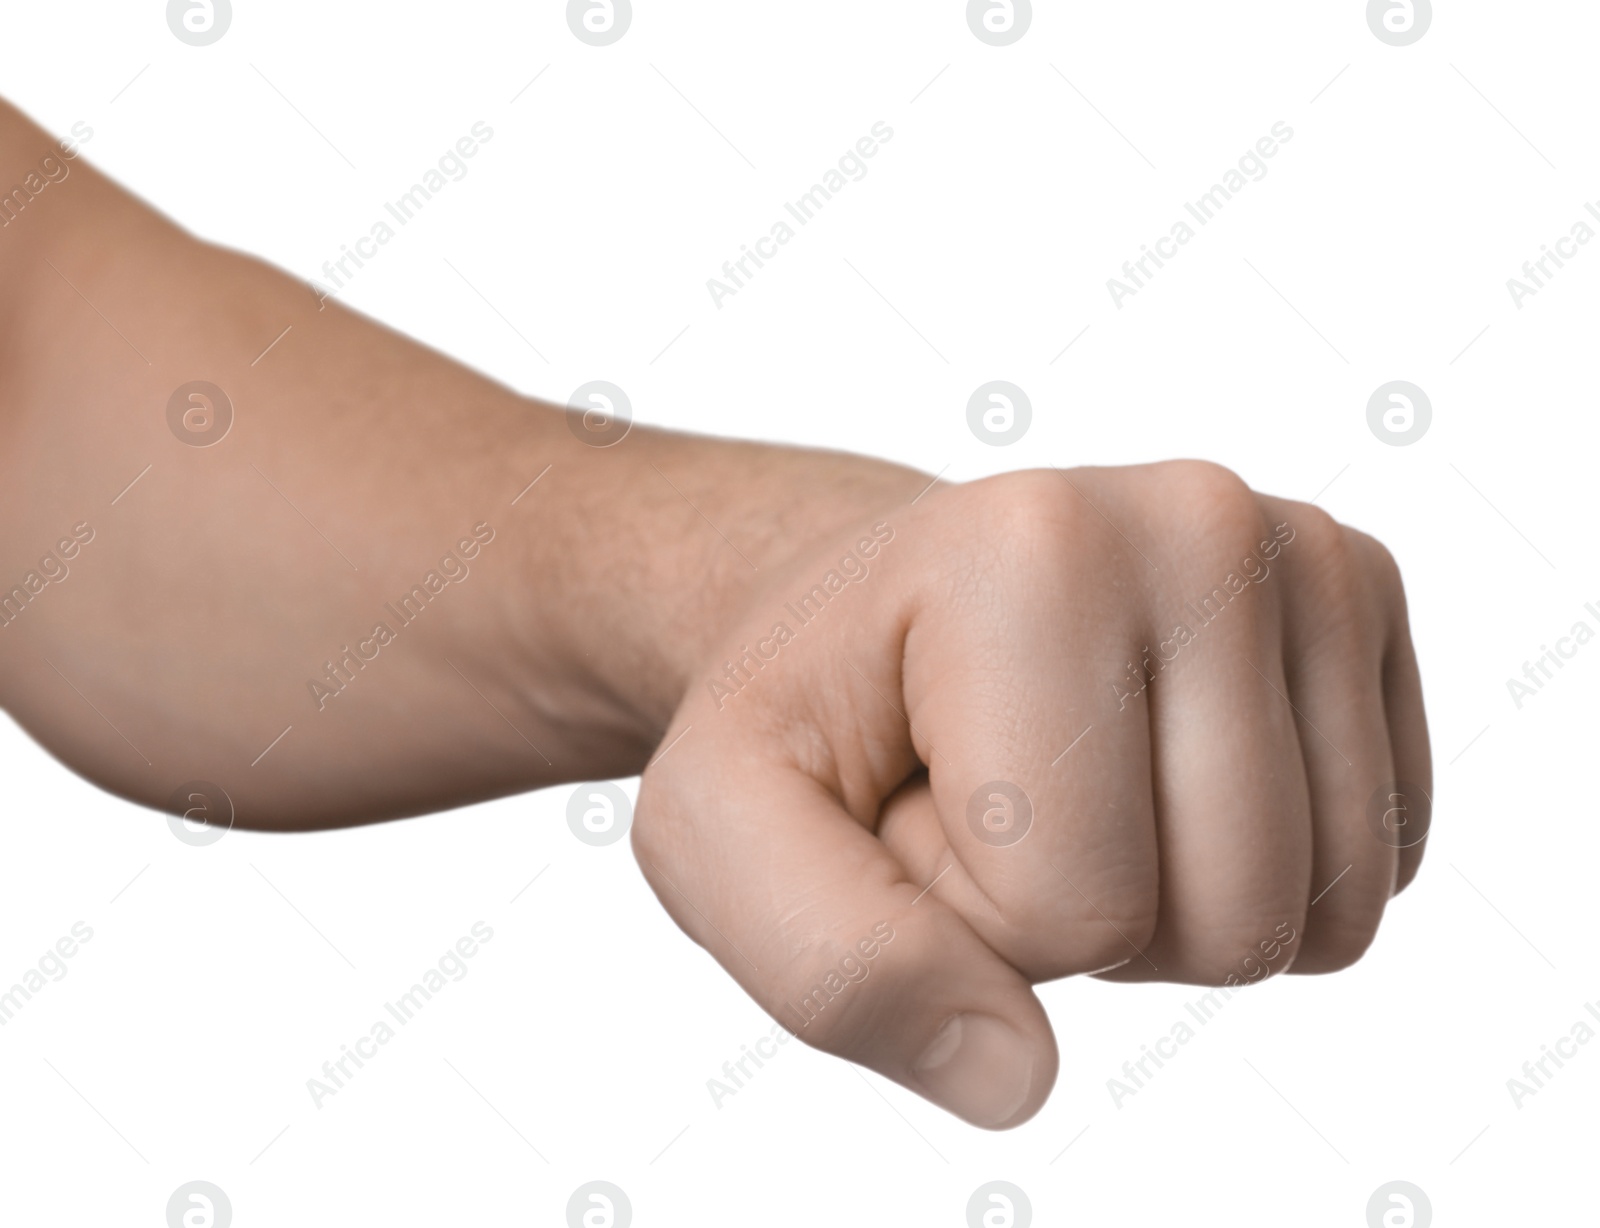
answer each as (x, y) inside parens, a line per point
(664, 541)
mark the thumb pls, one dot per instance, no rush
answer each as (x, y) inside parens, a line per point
(818, 921)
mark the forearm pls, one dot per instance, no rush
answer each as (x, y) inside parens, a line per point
(247, 572)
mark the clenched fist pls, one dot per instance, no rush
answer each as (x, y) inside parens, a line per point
(1128, 722)
(910, 749)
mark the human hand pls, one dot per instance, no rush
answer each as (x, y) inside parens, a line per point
(1002, 737)
(1125, 722)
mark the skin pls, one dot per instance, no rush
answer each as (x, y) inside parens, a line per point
(807, 807)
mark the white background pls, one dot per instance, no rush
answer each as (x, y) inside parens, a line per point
(580, 1044)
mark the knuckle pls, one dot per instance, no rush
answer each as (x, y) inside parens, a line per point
(1317, 534)
(1205, 483)
(1333, 555)
(1027, 511)
(1031, 523)
(1212, 503)
(1329, 549)
(1340, 581)
(1381, 566)
(1379, 557)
